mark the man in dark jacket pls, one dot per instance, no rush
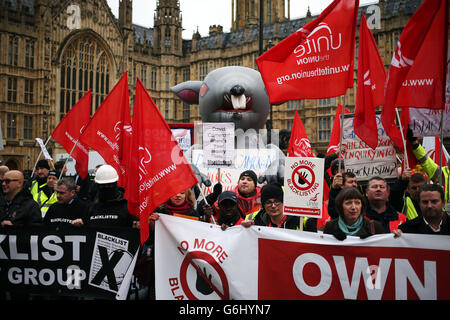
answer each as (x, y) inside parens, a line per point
(110, 209)
(378, 206)
(434, 219)
(17, 207)
(68, 208)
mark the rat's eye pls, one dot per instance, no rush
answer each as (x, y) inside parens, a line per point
(203, 89)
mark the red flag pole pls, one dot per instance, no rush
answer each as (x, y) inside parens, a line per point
(441, 146)
(65, 162)
(405, 155)
(342, 130)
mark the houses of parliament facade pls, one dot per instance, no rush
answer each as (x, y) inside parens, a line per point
(53, 51)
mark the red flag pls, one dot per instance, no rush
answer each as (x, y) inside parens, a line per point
(299, 145)
(418, 69)
(158, 168)
(335, 137)
(109, 131)
(370, 86)
(316, 61)
(69, 130)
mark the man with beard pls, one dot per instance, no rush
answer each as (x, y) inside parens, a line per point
(38, 185)
(434, 220)
(110, 208)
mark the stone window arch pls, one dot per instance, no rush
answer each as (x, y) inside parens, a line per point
(85, 65)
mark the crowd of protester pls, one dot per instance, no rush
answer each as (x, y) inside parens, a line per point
(409, 204)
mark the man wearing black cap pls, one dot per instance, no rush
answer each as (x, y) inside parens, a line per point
(47, 195)
(35, 185)
(271, 214)
(247, 192)
(229, 214)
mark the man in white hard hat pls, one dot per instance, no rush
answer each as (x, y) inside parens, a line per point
(110, 208)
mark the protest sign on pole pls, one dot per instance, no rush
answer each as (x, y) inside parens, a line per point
(258, 160)
(362, 160)
(218, 144)
(303, 186)
(184, 134)
(44, 149)
(291, 265)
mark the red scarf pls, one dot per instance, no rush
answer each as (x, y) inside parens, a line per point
(183, 209)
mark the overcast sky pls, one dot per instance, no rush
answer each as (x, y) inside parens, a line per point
(204, 13)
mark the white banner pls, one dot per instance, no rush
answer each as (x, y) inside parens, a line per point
(218, 144)
(269, 263)
(303, 186)
(427, 122)
(257, 160)
(362, 160)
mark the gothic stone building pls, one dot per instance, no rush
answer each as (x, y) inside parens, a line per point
(54, 51)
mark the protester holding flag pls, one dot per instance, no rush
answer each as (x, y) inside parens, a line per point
(350, 205)
(229, 213)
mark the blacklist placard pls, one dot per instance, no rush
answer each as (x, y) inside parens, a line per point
(303, 186)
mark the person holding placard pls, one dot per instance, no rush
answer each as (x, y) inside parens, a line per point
(271, 213)
(350, 206)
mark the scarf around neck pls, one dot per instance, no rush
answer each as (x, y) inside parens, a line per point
(350, 230)
(182, 209)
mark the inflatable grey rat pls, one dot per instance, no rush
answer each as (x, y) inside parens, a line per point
(233, 94)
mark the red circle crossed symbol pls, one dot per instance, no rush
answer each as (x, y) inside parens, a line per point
(303, 180)
(209, 259)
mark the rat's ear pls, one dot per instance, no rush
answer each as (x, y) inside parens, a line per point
(188, 91)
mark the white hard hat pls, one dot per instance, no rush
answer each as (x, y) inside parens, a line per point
(106, 174)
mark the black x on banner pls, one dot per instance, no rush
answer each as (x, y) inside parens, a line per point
(60, 261)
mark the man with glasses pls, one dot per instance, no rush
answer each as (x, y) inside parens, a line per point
(271, 214)
(17, 206)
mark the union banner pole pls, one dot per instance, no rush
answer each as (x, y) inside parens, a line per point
(342, 130)
(405, 154)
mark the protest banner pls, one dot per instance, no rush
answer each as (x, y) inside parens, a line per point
(184, 134)
(362, 160)
(43, 148)
(257, 160)
(303, 186)
(289, 264)
(218, 144)
(68, 261)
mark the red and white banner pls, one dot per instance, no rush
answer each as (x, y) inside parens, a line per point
(269, 263)
(316, 61)
(299, 145)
